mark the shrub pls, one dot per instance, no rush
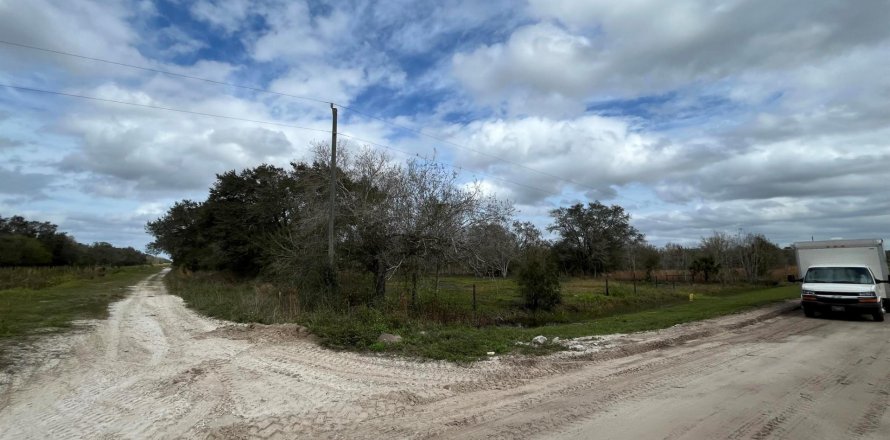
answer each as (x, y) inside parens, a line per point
(538, 279)
(706, 266)
(358, 329)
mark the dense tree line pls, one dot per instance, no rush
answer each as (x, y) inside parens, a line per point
(31, 243)
(411, 221)
(402, 221)
(727, 258)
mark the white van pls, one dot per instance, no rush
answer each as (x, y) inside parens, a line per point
(842, 276)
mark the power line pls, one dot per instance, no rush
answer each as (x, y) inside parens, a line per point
(261, 90)
(157, 107)
(256, 121)
(165, 72)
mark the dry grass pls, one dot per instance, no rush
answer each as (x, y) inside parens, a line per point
(443, 324)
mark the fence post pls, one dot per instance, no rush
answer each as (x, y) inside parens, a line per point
(656, 280)
(635, 280)
(474, 298)
(607, 285)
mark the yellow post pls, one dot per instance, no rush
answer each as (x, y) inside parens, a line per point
(691, 296)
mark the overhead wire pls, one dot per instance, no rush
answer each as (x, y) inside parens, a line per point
(306, 98)
(157, 107)
(161, 71)
(258, 121)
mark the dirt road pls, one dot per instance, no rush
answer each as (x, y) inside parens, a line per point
(155, 369)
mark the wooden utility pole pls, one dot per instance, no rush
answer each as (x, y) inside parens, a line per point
(333, 188)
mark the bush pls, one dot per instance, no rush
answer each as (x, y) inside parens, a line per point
(358, 329)
(538, 280)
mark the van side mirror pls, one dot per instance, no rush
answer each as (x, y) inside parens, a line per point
(880, 281)
(793, 279)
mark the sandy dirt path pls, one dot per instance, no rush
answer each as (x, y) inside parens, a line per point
(155, 369)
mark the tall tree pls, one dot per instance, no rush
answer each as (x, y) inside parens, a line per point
(592, 238)
(719, 247)
(242, 211)
(491, 248)
(757, 255)
(371, 215)
(181, 234)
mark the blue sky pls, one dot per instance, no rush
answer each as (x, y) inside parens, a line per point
(696, 116)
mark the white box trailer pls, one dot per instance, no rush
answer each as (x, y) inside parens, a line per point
(843, 276)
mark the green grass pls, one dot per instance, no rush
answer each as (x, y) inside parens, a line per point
(703, 306)
(43, 277)
(498, 300)
(467, 343)
(69, 294)
(444, 326)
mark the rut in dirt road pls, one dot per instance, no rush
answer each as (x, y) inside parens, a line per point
(155, 369)
(789, 377)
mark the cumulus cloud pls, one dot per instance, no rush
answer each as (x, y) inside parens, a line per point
(771, 113)
(98, 28)
(227, 15)
(590, 154)
(293, 33)
(650, 46)
(698, 114)
(337, 84)
(784, 220)
(6, 143)
(173, 41)
(156, 152)
(123, 228)
(541, 60)
(17, 182)
(625, 49)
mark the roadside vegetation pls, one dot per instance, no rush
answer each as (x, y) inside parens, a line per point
(444, 325)
(411, 243)
(48, 299)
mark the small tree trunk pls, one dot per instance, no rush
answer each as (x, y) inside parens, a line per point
(414, 289)
(379, 281)
(438, 268)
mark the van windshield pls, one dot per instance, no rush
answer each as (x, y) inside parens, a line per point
(842, 275)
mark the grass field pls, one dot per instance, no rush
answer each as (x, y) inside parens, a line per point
(443, 325)
(48, 299)
(42, 277)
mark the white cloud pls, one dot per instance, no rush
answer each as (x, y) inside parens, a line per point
(595, 152)
(539, 61)
(634, 48)
(291, 35)
(718, 115)
(125, 150)
(174, 41)
(227, 15)
(338, 85)
(18, 182)
(98, 28)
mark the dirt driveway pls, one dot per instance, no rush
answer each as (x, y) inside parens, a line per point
(155, 369)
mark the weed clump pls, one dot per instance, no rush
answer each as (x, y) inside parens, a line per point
(538, 280)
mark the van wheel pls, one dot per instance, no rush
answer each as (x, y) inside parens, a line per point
(809, 312)
(879, 315)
